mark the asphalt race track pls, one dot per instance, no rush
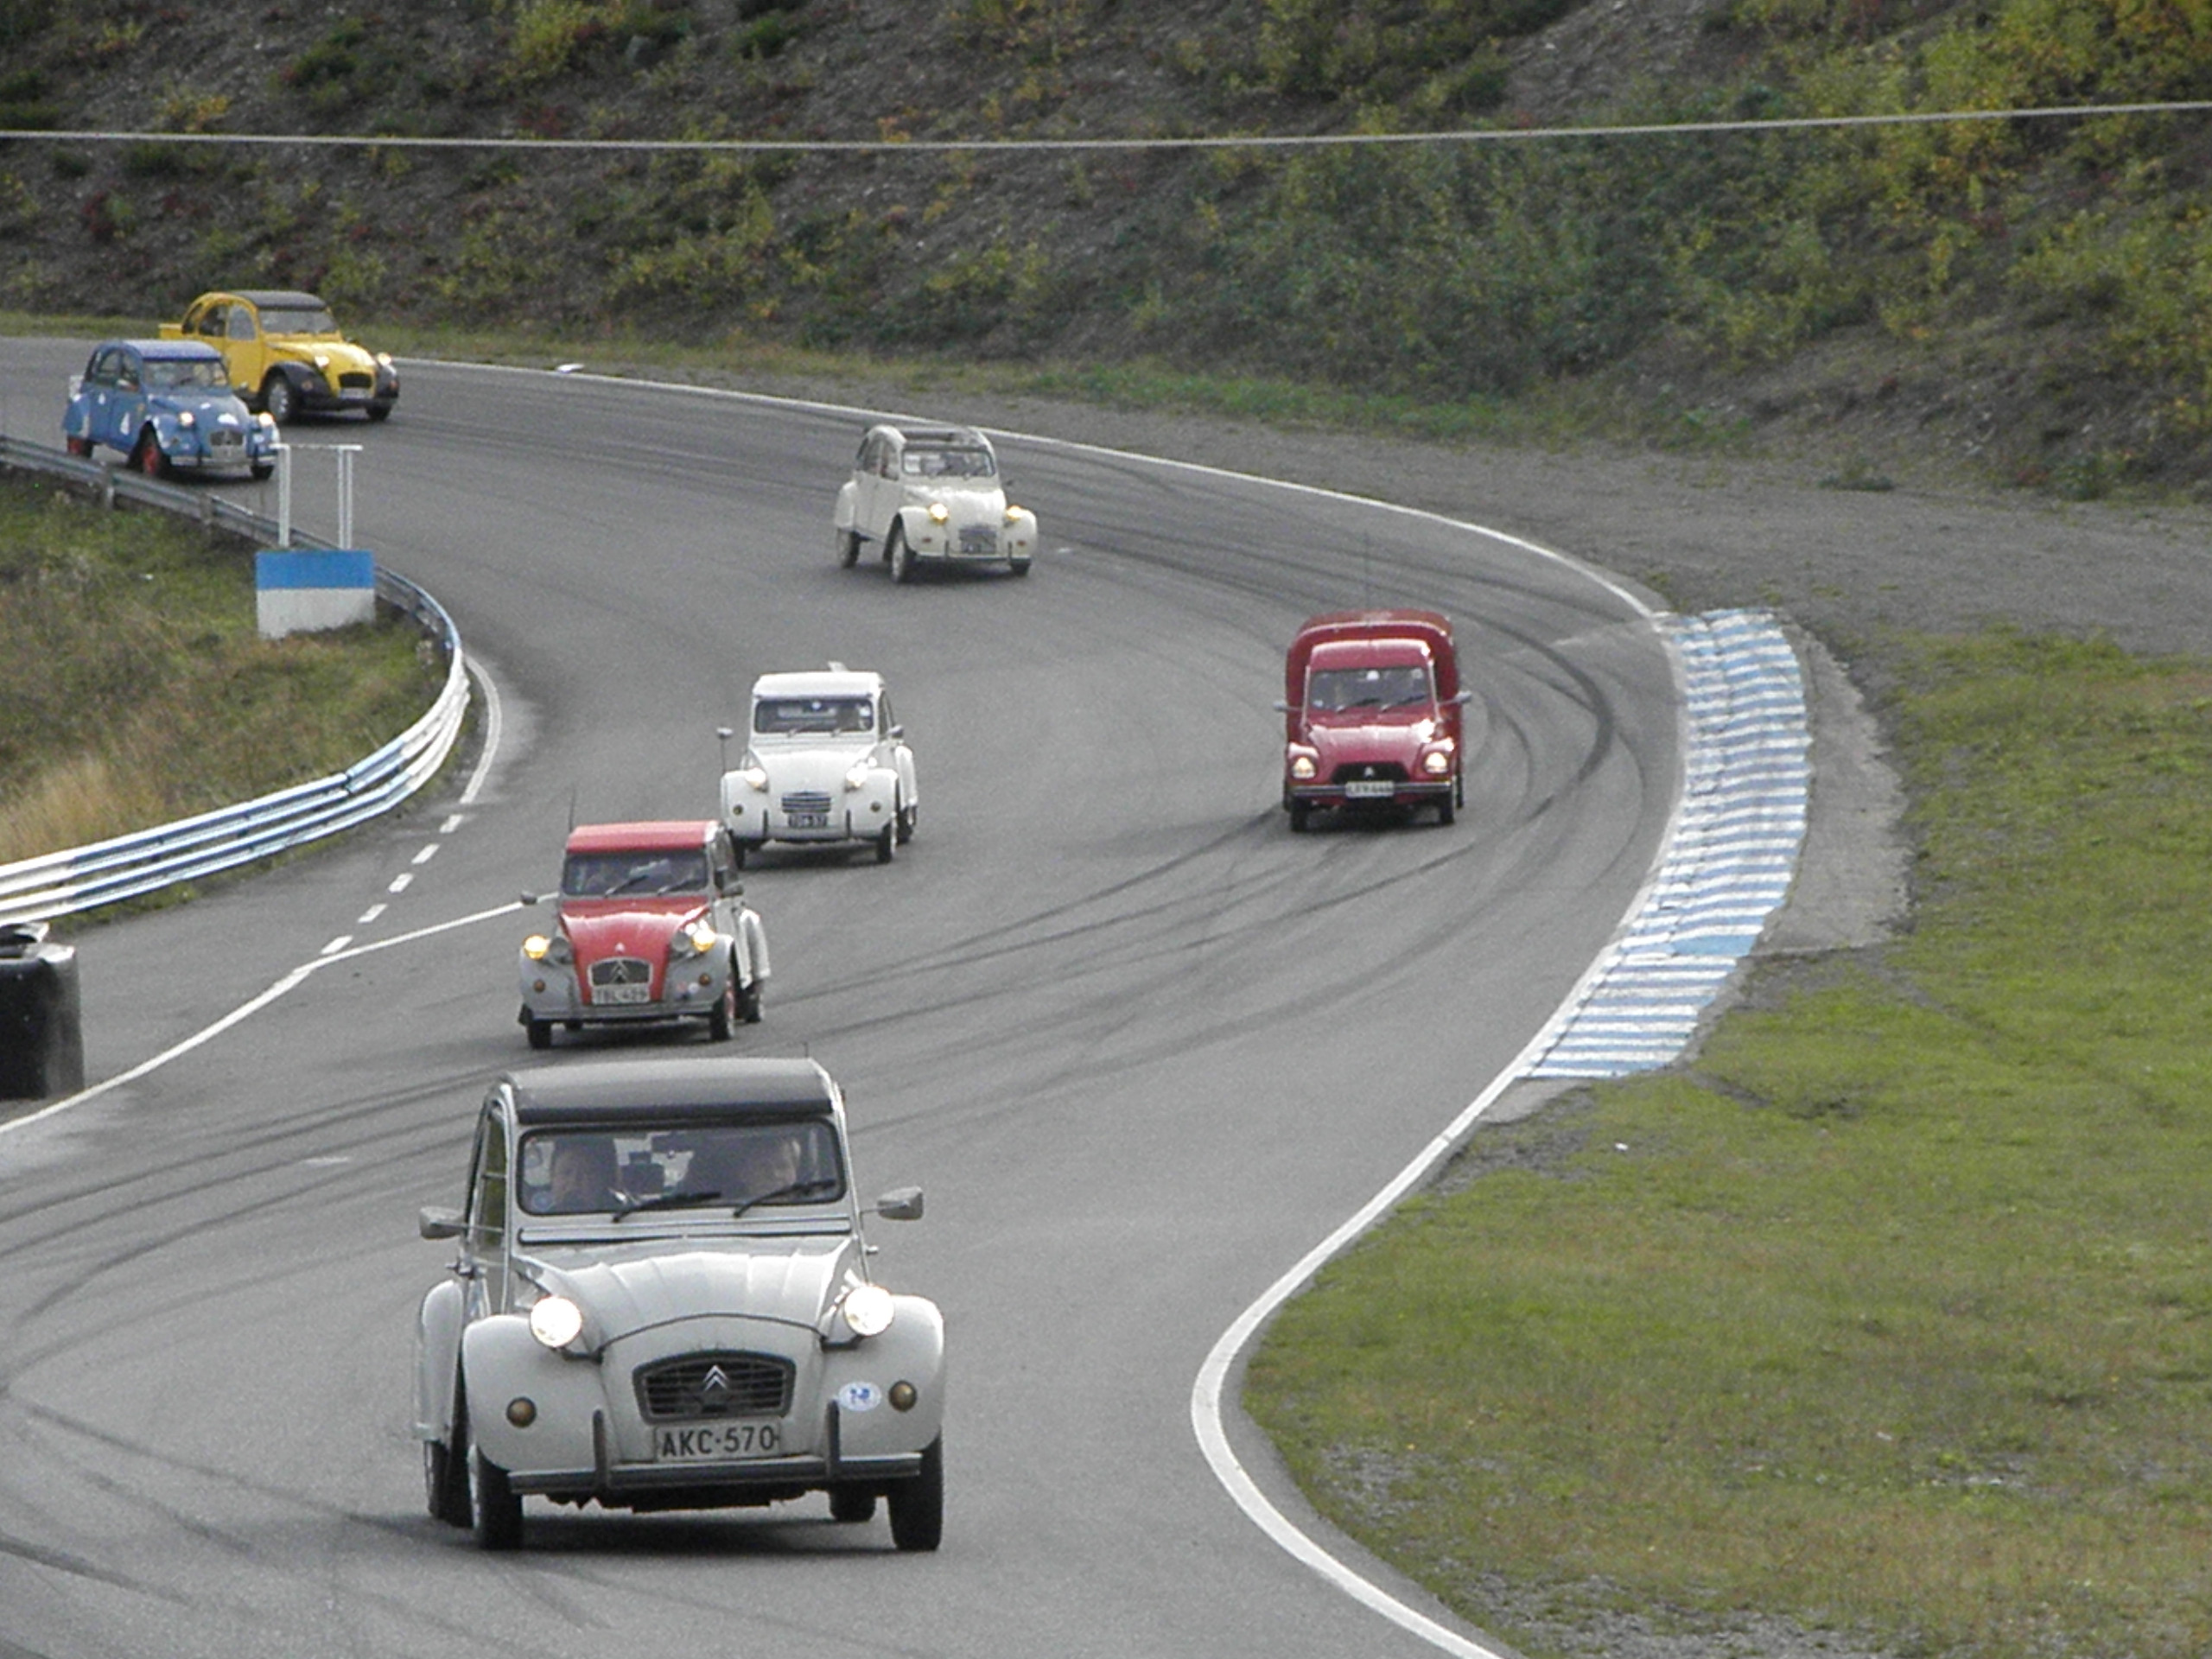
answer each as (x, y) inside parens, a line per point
(1140, 1046)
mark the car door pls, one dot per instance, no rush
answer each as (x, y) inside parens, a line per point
(126, 405)
(879, 484)
(243, 348)
(98, 391)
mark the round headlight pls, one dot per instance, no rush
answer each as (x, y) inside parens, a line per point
(939, 512)
(1436, 763)
(756, 777)
(186, 419)
(555, 1321)
(1302, 767)
(857, 777)
(698, 938)
(535, 946)
(867, 1310)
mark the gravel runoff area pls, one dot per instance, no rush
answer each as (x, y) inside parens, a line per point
(1845, 569)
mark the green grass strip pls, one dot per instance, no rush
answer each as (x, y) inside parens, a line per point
(1894, 1311)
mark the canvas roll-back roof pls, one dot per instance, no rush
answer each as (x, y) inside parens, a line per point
(671, 1091)
(650, 835)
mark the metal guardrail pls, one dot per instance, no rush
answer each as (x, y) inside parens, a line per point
(85, 878)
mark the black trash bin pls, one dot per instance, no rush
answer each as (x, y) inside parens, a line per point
(41, 1027)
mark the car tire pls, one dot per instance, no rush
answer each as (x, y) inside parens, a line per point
(850, 1505)
(261, 470)
(494, 1506)
(148, 457)
(908, 817)
(887, 844)
(901, 555)
(540, 1031)
(917, 1505)
(848, 548)
(1301, 812)
(722, 1018)
(445, 1476)
(1447, 810)
(748, 1004)
(1019, 567)
(279, 399)
(81, 447)
(379, 411)
(736, 854)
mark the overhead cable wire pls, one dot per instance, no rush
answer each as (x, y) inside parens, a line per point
(1257, 140)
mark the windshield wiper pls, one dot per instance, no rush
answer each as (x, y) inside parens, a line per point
(793, 1190)
(670, 1201)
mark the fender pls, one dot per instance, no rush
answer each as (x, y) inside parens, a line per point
(911, 1350)
(501, 1361)
(752, 947)
(437, 1327)
(847, 508)
(923, 534)
(306, 380)
(1019, 538)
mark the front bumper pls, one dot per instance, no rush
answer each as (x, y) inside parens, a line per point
(552, 993)
(1400, 791)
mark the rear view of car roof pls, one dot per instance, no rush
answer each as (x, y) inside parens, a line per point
(671, 1088)
(652, 836)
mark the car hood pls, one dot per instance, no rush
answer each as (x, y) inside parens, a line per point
(340, 354)
(1356, 734)
(810, 766)
(791, 1279)
(208, 408)
(626, 927)
(981, 502)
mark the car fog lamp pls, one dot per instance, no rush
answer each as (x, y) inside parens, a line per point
(939, 512)
(902, 1395)
(555, 1321)
(522, 1411)
(1436, 763)
(857, 777)
(867, 1310)
(1302, 767)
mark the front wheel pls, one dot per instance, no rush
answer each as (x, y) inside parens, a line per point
(379, 411)
(851, 1504)
(1300, 812)
(722, 1018)
(908, 817)
(748, 1004)
(1019, 567)
(899, 554)
(887, 844)
(917, 1505)
(279, 399)
(150, 460)
(81, 447)
(1447, 810)
(494, 1506)
(848, 548)
(261, 469)
(540, 1033)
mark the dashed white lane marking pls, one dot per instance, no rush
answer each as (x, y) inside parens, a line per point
(337, 944)
(426, 853)
(399, 883)
(369, 915)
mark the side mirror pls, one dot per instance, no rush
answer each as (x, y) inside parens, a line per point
(1280, 705)
(1465, 696)
(440, 1221)
(899, 730)
(901, 1203)
(532, 897)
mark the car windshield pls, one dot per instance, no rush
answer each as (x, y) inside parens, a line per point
(948, 463)
(172, 374)
(777, 716)
(1333, 689)
(609, 876)
(297, 320)
(735, 1167)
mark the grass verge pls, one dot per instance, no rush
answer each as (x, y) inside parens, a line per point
(1894, 1312)
(140, 690)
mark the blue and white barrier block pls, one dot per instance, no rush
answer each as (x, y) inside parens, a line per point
(308, 590)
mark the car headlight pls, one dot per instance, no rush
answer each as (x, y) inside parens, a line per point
(385, 357)
(939, 512)
(867, 1310)
(1436, 762)
(695, 939)
(268, 423)
(322, 360)
(186, 419)
(555, 1321)
(558, 949)
(757, 776)
(1013, 514)
(857, 777)
(1302, 768)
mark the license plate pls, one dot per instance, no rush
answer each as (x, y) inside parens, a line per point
(607, 996)
(809, 820)
(355, 394)
(714, 1442)
(1371, 789)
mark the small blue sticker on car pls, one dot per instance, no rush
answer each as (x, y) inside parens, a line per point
(860, 1397)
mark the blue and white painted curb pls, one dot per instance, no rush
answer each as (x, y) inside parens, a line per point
(1748, 774)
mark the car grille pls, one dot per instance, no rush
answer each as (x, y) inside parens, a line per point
(356, 381)
(226, 443)
(979, 538)
(715, 1385)
(621, 970)
(1364, 771)
(806, 800)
